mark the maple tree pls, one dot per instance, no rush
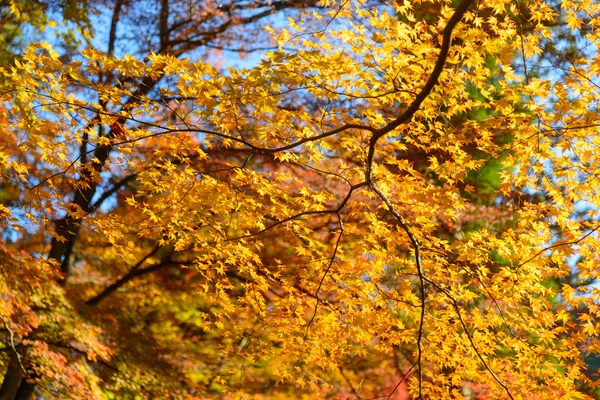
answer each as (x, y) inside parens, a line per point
(399, 199)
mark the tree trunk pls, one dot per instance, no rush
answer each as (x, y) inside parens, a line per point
(26, 391)
(12, 380)
(14, 386)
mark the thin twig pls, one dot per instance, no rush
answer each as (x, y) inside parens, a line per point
(471, 341)
(389, 396)
(13, 346)
(352, 388)
(558, 245)
(331, 261)
(416, 248)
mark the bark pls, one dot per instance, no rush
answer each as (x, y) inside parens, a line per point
(12, 379)
(26, 391)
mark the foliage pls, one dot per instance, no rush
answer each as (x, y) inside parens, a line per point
(399, 197)
(22, 20)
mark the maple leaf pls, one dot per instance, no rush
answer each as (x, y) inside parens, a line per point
(398, 200)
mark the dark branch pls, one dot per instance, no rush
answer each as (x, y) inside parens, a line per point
(407, 115)
(116, 187)
(331, 261)
(417, 250)
(470, 337)
(134, 271)
(112, 36)
(163, 25)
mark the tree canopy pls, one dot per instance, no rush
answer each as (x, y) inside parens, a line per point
(299, 199)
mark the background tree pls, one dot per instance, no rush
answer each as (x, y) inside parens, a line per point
(322, 224)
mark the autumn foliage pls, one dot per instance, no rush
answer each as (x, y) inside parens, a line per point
(385, 199)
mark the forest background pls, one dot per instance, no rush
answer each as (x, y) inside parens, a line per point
(299, 199)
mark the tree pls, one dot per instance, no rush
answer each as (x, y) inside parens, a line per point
(396, 197)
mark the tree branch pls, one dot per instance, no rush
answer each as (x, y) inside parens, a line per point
(13, 346)
(116, 187)
(470, 338)
(331, 261)
(417, 250)
(407, 115)
(134, 271)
